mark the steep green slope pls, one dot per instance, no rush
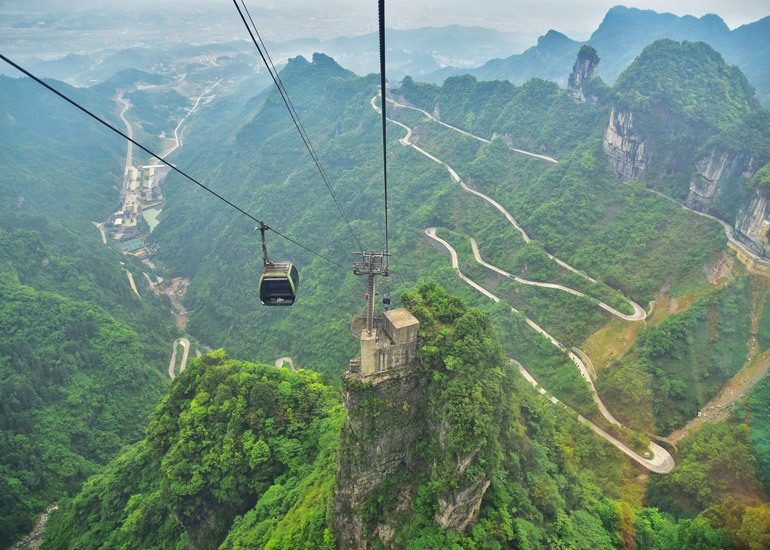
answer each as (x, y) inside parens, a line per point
(82, 354)
(231, 439)
(240, 455)
(682, 363)
(76, 384)
(678, 108)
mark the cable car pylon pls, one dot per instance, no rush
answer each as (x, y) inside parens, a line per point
(372, 264)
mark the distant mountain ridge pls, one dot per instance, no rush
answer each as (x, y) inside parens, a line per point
(620, 37)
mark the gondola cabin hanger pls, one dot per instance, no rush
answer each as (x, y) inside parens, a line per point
(279, 280)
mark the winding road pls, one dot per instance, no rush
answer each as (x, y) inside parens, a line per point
(729, 232)
(285, 360)
(172, 364)
(639, 313)
(478, 138)
(456, 178)
(661, 462)
(129, 130)
(177, 133)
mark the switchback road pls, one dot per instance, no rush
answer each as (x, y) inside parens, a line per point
(661, 462)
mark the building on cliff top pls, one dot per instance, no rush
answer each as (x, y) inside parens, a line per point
(391, 344)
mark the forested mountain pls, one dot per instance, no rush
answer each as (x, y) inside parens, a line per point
(708, 319)
(620, 37)
(81, 355)
(674, 323)
(261, 443)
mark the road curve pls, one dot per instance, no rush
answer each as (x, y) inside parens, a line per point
(129, 130)
(729, 231)
(281, 360)
(177, 136)
(639, 313)
(473, 136)
(662, 461)
(584, 372)
(172, 364)
(456, 178)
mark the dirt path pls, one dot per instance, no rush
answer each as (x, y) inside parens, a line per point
(35, 537)
(737, 389)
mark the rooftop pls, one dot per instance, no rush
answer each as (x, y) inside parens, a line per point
(401, 318)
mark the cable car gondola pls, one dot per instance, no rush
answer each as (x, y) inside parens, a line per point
(279, 280)
(278, 284)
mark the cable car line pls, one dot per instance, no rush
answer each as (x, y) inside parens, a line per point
(148, 151)
(381, 10)
(267, 60)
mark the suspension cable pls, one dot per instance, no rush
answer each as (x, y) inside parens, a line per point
(148, 151)
(267, 60)
(383, 101)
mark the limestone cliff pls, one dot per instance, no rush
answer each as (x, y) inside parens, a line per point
(752, 227)
(711, 174)
(421, 441)
(384, 459)
(378, 443)
(625, 148)
(688, 124)
(583, 73)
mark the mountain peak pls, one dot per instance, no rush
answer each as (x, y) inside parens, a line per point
(553, 37)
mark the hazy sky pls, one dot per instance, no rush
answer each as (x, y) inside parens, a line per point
(569, 16)
(326, 18)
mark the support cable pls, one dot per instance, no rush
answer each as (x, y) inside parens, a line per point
(383, 102)
(148, 151)
(267, 60)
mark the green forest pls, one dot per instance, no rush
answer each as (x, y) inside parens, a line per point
(236, 453)
(240, 455)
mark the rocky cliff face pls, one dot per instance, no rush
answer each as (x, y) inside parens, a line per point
(377, 443)
(382, 461)
(708, 183)
(752, 227)
(583, 72)
(625, 148)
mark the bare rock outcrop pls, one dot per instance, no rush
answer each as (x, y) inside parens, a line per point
(707, 184)
(752, 226)
(385, 424)
(458, 510)
(583, 72)
(625, 148)
(383, 460)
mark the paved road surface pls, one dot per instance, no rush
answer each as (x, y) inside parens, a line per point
(456, 178)
(129, 130)
(639, 313)
(281, 360)
(661, 462)
(131, 282)
(454, 128)
(172, 364)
